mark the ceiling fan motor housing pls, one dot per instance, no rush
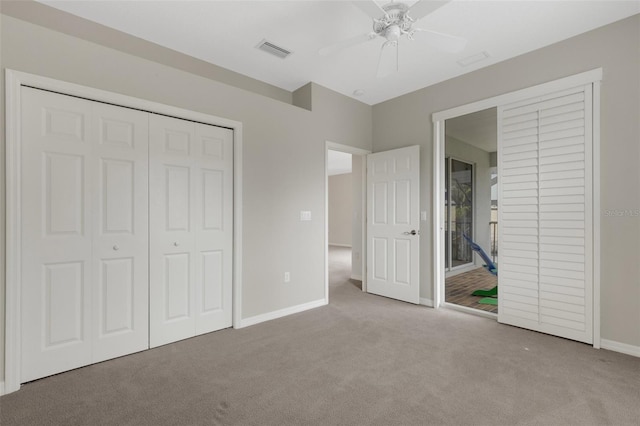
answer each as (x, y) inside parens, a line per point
(395, 23)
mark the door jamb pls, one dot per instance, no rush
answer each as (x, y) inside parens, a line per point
(14, 80)
(593, 77)
(333, 146)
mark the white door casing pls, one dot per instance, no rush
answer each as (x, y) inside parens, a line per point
(82, 301)
(17, 212)
(393, 226)
(546, 213)
(191, 211)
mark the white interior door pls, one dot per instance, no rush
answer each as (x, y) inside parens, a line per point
(213, 228)
(191, 229)
(393, 224)
(83, 191)
(120, 231)
(546, 209)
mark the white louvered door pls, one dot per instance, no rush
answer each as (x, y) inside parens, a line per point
(545, 236)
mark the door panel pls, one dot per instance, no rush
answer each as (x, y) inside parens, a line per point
(213, 227)
(172, 239)
(393, 212)
(546, 164)
(84, 233)
(120, 231)
(56, 243)
(191, 218)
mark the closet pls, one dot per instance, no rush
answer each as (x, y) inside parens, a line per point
(126, 231)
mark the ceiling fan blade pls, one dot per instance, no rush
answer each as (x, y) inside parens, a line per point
(370, 7)
(441, 41)
(422, 8)
(388, 62)
(336, 47)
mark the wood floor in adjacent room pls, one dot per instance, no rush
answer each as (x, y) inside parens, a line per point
(361, 360)
(458, 289)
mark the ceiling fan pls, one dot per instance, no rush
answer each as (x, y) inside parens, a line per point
(393, 21)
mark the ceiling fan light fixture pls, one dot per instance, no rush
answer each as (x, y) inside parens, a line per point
(392, 33)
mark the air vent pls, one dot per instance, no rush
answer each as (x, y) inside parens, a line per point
(267, 46)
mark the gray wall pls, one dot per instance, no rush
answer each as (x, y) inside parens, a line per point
(340, 209)
(406, 121)
(284, 151)
(482, 184)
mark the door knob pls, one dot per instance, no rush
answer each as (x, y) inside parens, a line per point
(116, 248)
(412, 232)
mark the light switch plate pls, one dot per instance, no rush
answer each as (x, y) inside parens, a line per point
(305, 215)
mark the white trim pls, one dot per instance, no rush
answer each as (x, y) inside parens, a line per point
(623, 348)
(281, 313)
(12, 341)
(237, 224)
(476, 312)
(438, 218)
(340, 245)
(597, 342)
(1, 388)
(333, 146)
(13, 81)
(426, 302)
(586, 77)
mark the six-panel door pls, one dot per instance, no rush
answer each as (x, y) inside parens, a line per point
(393, 227)
(191, 229)
(85, 231)
(84, 234)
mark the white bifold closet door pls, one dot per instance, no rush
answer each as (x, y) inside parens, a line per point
(545, 236)
(191, 221)
(84, 232)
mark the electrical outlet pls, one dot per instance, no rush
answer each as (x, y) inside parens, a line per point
(287, 277)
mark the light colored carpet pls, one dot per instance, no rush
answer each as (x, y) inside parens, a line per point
(361, 360)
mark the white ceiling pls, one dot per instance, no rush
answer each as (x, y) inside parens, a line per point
(225, 33)
(338, 163)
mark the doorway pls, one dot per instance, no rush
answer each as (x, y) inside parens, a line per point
(470, 146)
(345, 216)
(548, 198)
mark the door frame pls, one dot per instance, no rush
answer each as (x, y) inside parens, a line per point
(333, 146)
(593, 77)
(473, 215)
(14, 80)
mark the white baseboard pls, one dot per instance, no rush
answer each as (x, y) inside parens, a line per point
(246, 322)
(340, 245)
(2, 388)
(620, 347)
(426, 302)
(356, 277)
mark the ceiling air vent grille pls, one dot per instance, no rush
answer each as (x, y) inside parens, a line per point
(267, 46)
